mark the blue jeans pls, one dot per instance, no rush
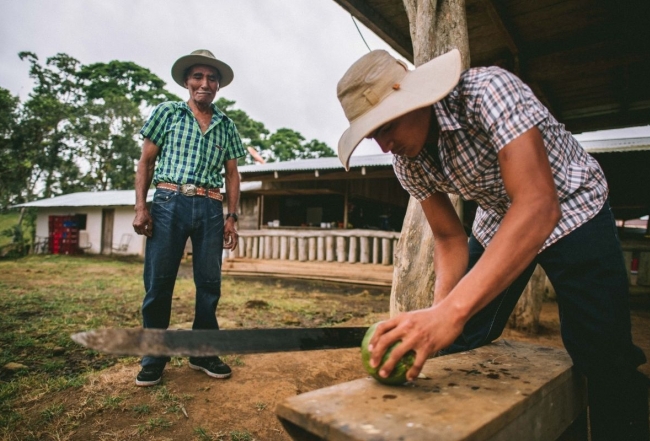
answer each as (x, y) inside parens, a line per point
(587, 271)
(175, 218)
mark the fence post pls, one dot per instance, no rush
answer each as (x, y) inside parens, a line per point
(329, 248)
(311, 246)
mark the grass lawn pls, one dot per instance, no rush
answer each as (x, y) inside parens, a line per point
(45, 298)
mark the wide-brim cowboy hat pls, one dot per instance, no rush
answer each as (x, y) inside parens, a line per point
(205, 57)
(378, 88)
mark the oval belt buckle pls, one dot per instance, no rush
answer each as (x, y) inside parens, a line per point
(188, 189)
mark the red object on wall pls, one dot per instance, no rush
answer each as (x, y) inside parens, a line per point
(64, 235)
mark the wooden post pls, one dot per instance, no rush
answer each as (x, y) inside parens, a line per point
(249, 246)
(255, 247)
(320, 248)
(352, 251)
(375, 250)
(340, 249)
(525, 316)
(241, 247)
(311, 245)
(268, 248)
(284, 248)
(345, 205)
(329, 248)
(364, 252)
(302, 249)
(385, 252)
(275, 252)
(436, 28)
(292, 248)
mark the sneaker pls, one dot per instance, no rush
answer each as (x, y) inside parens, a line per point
(149, 376)
(213, 366)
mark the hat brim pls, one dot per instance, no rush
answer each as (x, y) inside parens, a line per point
(179, 67)
(422, 87)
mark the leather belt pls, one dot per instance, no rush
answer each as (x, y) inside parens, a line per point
(192, 190)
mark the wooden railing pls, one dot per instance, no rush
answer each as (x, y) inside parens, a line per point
(351, 246)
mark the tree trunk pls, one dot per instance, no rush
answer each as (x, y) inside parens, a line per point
(436, 28)
(525, 316)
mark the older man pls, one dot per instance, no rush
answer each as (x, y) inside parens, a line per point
(186, 146)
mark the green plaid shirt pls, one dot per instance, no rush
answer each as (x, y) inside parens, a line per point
(188, 156)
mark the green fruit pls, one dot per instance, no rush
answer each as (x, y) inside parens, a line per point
(398, 376)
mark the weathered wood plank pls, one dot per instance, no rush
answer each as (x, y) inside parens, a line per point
(320, 233)
(368, 274)
(503, 391)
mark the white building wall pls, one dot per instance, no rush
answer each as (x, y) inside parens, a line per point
(122, 224)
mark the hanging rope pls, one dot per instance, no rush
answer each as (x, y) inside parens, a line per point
(359, 31)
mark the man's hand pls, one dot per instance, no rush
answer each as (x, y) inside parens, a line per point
(143, 224)
(426, 331)
(230, 236)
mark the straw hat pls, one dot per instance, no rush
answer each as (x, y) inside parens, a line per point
(201, 56)
(379, 88)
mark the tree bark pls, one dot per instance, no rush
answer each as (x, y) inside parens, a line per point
(525, 316)
(436, 28)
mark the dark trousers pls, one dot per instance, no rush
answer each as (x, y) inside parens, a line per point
(175, 218)
(587, 271)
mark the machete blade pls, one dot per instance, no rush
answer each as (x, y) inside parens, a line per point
(204, 343)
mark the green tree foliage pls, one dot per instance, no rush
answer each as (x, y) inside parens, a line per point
(282, 145)
(253, 133)
(47, 122)
(78, 129)
(11, 160)
(124, 79)
(287, 145)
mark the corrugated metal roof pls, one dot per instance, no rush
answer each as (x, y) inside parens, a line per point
(616, 145)
(381, 160)
(384, 160)
(109, 198)
(127, 197)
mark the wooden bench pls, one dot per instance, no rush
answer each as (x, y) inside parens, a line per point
(503, 391)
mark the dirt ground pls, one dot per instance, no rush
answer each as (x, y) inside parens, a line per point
(242, 407)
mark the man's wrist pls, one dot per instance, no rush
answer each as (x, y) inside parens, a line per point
(232, 215)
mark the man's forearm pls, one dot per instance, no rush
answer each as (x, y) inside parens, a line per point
(511, 250)
(232, 192)
(450, 264)
(143, 178)
(144, 173)
(232, 185)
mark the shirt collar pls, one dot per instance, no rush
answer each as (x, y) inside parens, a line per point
(444, 111)
(217, 114)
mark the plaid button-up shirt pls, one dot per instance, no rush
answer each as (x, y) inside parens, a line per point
(486, 110)
(188, 156)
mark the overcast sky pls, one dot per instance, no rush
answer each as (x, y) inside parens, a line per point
(287, 55)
